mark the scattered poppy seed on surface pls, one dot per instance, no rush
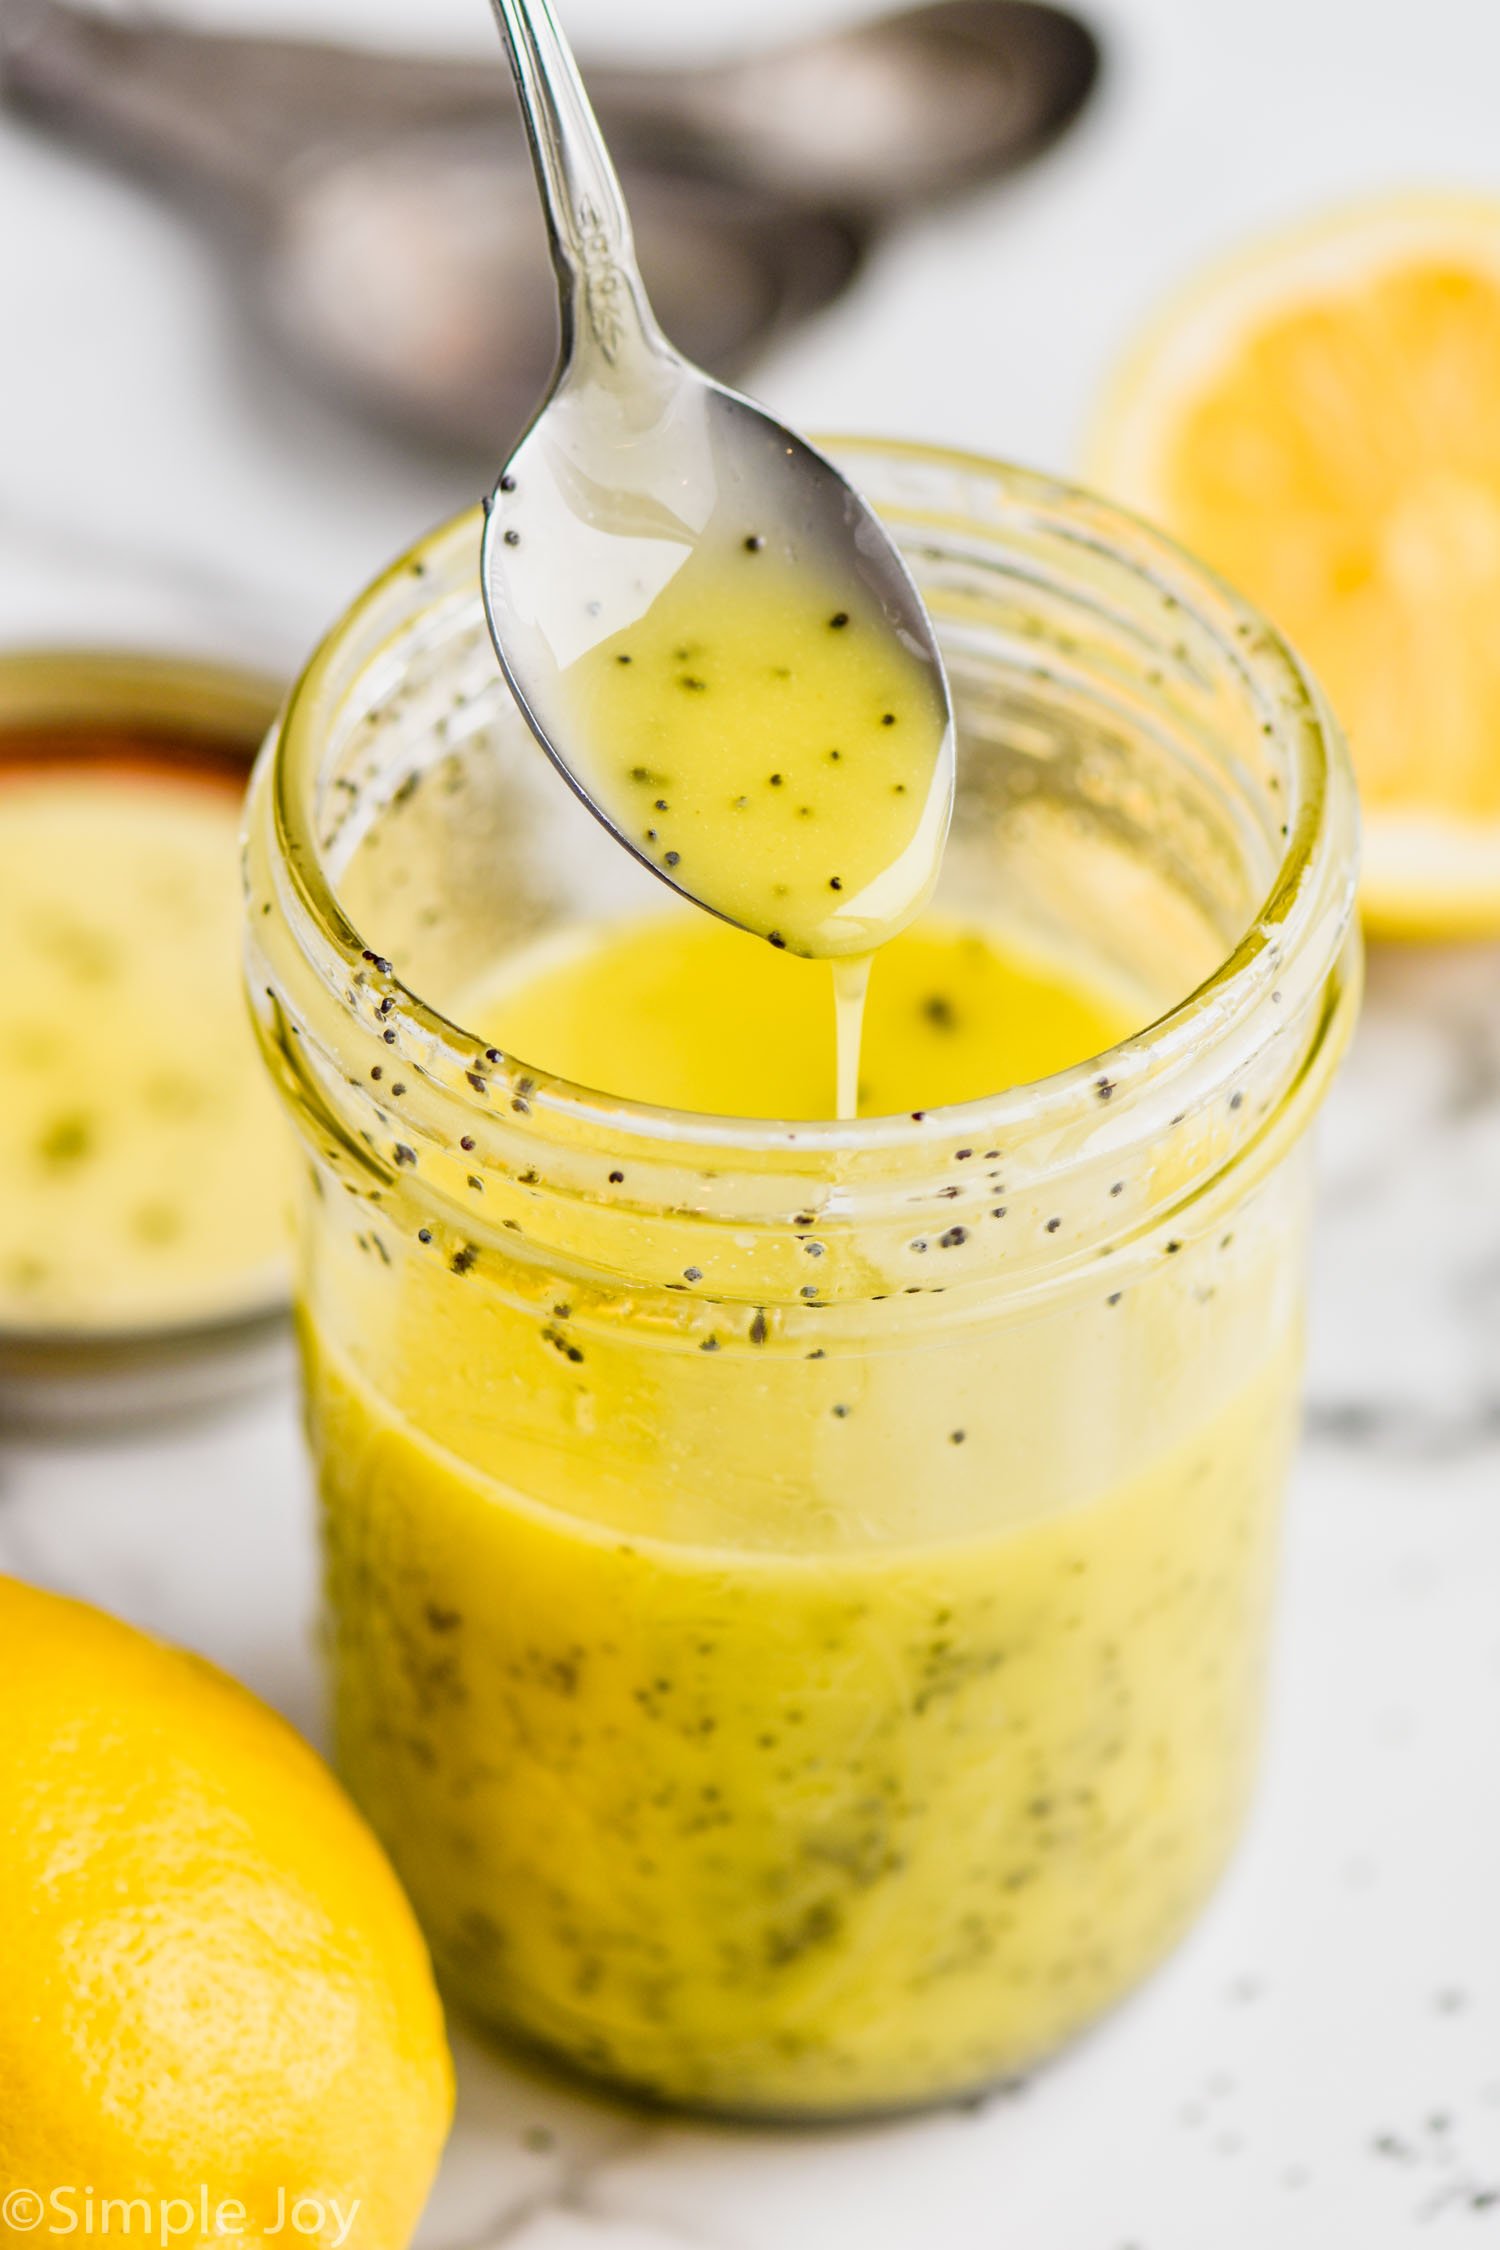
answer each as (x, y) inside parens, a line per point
(512, 537)
(754, 543)
(835, 882)
(775, 938)
(466, 1142)
(888, 718)
(389, 1038)
(1118, 1188)
(1114, 1297)
(424, 1234)
(841, 1413)
(1172, 1249)
(616, 1179)
(758, 1328)
(507, 483)
(956, 1437)
(377, 1072)
(673, 858)
(622, 660)
(692, 1273)
(776, 780)
(839, 619)
(1053, 1225)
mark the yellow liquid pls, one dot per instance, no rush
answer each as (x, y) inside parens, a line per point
(147, 1168)
(784, 1731)
(766, 741)
(689, 1014)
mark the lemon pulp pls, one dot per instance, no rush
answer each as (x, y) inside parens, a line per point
(1315, 419)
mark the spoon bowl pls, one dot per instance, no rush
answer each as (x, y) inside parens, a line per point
(693, 607)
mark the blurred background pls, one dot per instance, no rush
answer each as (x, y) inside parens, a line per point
(147, 414)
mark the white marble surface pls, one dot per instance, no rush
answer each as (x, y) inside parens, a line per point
(1319, 2068)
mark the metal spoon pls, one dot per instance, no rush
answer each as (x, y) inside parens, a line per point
(638, 474)
(379, 204)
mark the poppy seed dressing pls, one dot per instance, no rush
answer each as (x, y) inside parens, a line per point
(770, 744)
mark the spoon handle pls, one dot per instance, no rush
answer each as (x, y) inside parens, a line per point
(602, 298)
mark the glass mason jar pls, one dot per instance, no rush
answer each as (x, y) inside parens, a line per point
(797, 1593)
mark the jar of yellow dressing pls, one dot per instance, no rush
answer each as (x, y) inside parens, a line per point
(797, 1592)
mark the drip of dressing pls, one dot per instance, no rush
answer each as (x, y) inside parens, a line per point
(851, 985)
(761, 737)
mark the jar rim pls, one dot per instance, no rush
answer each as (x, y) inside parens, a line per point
(1311, 897)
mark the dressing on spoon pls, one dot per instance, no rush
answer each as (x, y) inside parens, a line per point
(711, 634)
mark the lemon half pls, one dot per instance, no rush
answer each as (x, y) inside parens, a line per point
(1319, 419)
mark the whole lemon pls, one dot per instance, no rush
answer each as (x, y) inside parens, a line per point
(217, 2018)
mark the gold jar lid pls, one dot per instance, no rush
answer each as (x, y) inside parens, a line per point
(145, 1174)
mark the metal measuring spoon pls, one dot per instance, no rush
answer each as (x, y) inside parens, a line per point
(378, 205)
(641, 480)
